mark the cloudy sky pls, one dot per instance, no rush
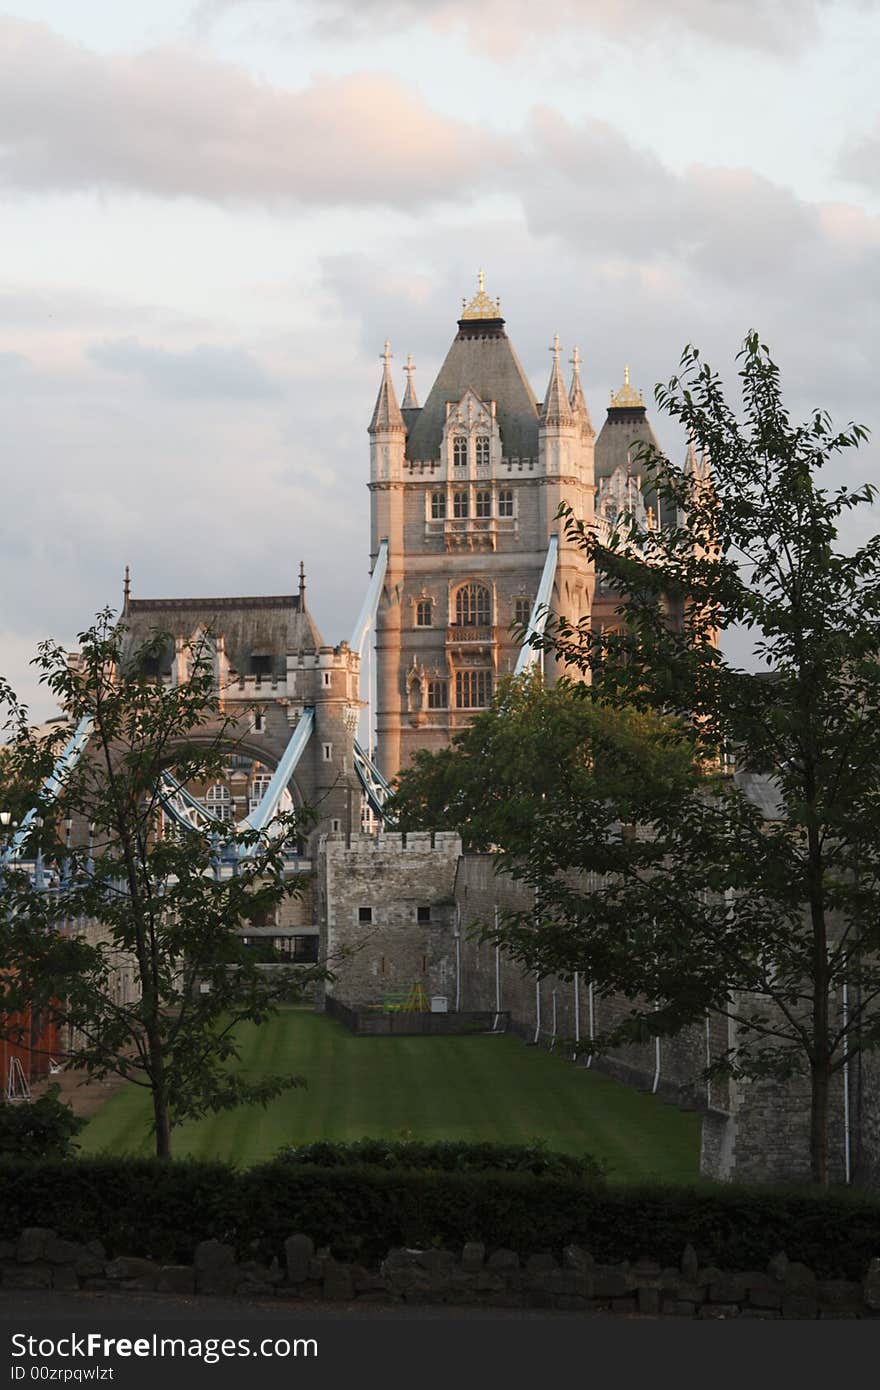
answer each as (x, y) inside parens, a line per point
(214, 213)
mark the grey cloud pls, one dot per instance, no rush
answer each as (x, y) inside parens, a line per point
(200, 373)
(859, 162)
(498, 28)
(170, 122)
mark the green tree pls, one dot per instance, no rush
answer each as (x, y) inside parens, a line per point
(158, 899)
(755, 896)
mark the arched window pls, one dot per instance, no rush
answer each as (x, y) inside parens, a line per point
(483, 450)
(522, 611)
(473, 606)
(483, 502)
(505, 502)
(459, 451)
(218, 802)
(438, 506)
(424, 613)
(460, 505)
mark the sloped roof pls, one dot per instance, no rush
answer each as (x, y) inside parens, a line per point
(263, 626)
(481, 357)
(625, 427)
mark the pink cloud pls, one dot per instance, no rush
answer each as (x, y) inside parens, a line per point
(170, 122)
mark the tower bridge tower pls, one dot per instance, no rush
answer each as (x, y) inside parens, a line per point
(465, 489)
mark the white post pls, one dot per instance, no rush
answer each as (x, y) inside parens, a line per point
(592, 1019)
(537, 1008)
(577, 1015)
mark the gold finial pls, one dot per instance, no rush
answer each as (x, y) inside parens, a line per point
(627, 396)
(481, 306)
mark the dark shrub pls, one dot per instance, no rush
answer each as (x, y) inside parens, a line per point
(43, 1128)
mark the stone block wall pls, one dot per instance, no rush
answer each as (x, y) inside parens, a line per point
(387, 909)
(569, 1279)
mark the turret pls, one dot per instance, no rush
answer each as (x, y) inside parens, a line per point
(386, 429)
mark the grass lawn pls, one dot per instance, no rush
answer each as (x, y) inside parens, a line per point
(472, 1088)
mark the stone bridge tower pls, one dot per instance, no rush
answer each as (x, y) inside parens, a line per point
(465, 489)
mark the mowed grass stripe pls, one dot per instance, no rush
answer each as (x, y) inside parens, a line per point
(472, 1088)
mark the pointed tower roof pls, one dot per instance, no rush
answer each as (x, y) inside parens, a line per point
(576, 395)
(556, 409)
(410, 401)
(627, 425)
(386, 415)
(481, 357)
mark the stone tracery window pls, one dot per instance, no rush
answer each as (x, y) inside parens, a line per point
(460, 508)
(473, 606)
(424, 613)
(482, 443)
(483, 502)
(473, 689)
(460, 451)
(438, 506)
(505, 502)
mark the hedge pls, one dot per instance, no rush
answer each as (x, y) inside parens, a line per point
(449, 1155)
(162, 1210)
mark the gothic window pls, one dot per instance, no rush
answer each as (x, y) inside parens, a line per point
(460, 504)
(523, 610)
(438, 506)
(473, 606)
(484, 504)
(218, 802)
(438, 694)
(482, 450)
(505, 502)
(473, 689)
(424, 613)
(459, 451)
(259, 786)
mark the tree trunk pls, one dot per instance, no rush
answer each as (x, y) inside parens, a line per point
(819, 1078)
(161, 1115)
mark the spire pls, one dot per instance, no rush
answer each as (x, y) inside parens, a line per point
(481, 306)
(409, 396)
(556, 409)
(691, 467)
(627, 398)
(386, 415)
(302, 587)
(126, 589)
(576, 395)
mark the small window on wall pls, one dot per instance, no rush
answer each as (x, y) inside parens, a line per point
(218, 802)
(523, 611)
(305, 949)
(482, 450)
(438, 694)
(259, 787)
(365, 915)
(423, 914)
(459, 451)
(483, 504)
(460, 504)
(424, 613)
(473, 689)
(328, 752)
(438, 506)
(505, 502)
(261, 665)
(258, 722)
